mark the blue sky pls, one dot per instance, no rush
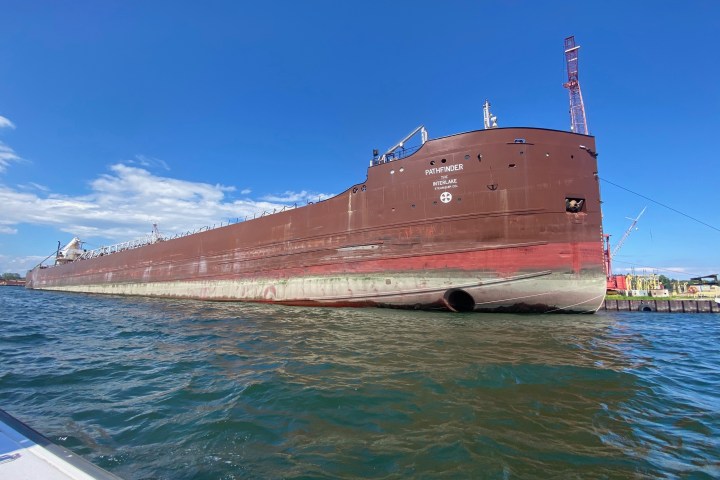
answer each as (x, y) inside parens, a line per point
(118, 114)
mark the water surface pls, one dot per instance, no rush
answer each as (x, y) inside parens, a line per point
(170, 389)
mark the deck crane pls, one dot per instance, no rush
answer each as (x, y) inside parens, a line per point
(577, 107)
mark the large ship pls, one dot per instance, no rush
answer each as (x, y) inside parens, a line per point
(500, 219)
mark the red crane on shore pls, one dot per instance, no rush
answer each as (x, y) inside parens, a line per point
(613, 280)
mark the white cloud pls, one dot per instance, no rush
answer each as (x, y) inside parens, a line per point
(34, 186)
(4, 229)
(6, 123)
(245, 191)
(149, 162)
(18, 265)
(292, 197)
(123, 205)
(7, 155)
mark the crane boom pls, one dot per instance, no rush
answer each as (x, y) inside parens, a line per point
(577, 107)
(627, 233)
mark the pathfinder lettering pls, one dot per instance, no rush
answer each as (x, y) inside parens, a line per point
(448, 168)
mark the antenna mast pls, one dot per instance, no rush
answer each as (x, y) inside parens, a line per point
(577, 108)
(489, 119)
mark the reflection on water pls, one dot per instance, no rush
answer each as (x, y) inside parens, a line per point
(183, 389)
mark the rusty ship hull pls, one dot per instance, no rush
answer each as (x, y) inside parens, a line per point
(504, 219)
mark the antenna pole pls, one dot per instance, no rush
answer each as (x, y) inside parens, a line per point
(489, 120)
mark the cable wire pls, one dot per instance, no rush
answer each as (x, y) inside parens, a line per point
(661, 204)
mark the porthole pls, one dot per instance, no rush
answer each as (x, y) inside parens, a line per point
(432, 162)
(512, 165)
(443, 160)
(363, 188)
(572, 156)
(402, 169)
(392, 172)
(467, 157)
(479, 157)
(413, 205)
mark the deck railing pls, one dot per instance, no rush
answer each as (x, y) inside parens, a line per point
(132, 244)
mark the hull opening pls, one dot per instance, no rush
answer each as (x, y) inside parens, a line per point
(459, 300)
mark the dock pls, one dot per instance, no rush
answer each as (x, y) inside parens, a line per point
(662, 305)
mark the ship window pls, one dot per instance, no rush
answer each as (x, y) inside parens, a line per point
(432, 162)
(443, 160)
(512, 165)
(392, 172)
(467, 157)
(413, 205)
(479, 157)
(519, 140)
(574, 205)
(363, 188)
(402, 169)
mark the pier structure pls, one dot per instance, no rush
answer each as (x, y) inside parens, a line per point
(661, 305)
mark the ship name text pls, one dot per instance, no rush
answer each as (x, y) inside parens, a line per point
(444, 169)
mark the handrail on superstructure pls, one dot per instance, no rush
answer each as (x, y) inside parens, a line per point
(388, 156)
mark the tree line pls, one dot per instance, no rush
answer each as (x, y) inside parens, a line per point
(10, 276)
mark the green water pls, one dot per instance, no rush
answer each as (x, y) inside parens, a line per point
(168, 389)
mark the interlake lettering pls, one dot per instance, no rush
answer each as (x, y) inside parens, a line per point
(444, 169)
(451, 181)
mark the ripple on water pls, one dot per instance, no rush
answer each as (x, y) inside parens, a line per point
(182, 389)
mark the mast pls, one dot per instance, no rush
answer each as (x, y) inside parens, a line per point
(489, 119)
